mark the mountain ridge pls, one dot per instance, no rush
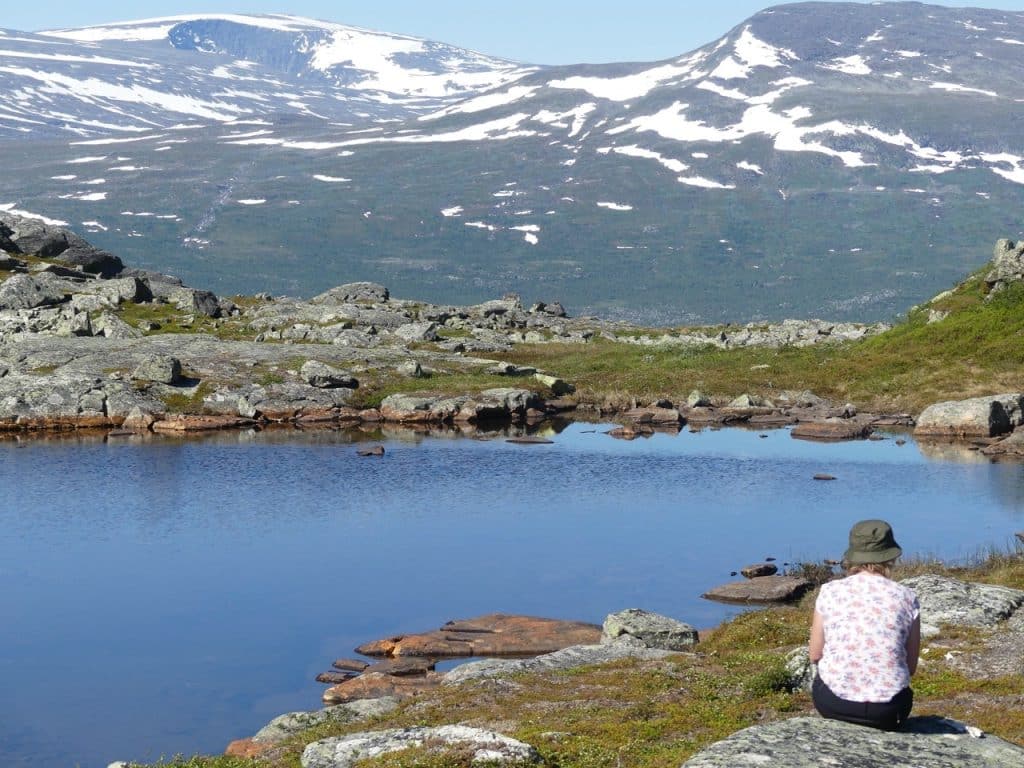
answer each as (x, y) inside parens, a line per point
(734, 182)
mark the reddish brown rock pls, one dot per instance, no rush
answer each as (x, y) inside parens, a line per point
(372, 685)
(654, 415)
(189, 423)
(377, 450)
(495, 634)
(631, 431)
(402, 667)
(839, 429)
(370, 414)
(773, 420)
(759, 570)
(248, 749)
(560, 404)
(349, 665)
(334, 677)
(316, 416)
(764, 589)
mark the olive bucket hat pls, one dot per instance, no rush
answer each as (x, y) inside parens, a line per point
(871, 541)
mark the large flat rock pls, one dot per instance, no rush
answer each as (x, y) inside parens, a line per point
(987, 416)
(763, 589)
(831, 429)
(811, 742)
(495, 634)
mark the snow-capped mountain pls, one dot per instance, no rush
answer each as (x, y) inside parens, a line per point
(216, 68)
(844, 160)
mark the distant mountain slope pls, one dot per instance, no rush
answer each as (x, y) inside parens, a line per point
(155, 73)
(841, 160)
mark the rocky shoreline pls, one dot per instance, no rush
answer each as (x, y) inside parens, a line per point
(86, 343)
(947, 605)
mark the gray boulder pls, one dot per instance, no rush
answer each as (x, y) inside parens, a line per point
(349, 292)
(987, 416)
(961, 603)
(192, 300)
(698, 399)
(811, 742)
(30, 291)
(161, 369)
(417, 332)
(652, 629)
(800, 669)
(324, 376)
(119, 290)
(487, 746)
(281, 728)
(113, 327)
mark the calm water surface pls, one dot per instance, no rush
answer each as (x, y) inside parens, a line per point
(167, 597)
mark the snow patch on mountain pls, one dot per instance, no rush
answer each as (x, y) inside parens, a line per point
(749, 52)
(637, 85)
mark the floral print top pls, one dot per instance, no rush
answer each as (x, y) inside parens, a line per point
(866, 618)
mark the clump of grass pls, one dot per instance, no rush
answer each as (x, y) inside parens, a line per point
(191, 402)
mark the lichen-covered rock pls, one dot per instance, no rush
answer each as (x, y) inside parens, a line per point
(30, 291)
(697, 399)
(810, 742)
(162, 369)
(324, 376)
(624, 647)
(987, 416)
(280, 728)
(800, 669)
(341, 294)
(652, 629)
(488, 746)
(960, 603)
(417, 332)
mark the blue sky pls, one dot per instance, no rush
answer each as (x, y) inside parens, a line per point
(535, 31)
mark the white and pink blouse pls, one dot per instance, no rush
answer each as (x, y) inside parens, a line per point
(866, 618)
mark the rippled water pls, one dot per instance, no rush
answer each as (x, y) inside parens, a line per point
(168, 596)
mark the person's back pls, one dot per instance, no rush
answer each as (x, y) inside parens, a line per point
(866, 635)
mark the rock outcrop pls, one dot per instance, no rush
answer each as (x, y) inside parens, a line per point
(811, 742)
(960, 603)
(494, 634)
(487, 747)
(763, 589)
(651, 629)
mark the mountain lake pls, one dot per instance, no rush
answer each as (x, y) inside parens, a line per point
(167, 596)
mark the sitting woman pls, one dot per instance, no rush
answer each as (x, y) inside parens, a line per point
(866, 635)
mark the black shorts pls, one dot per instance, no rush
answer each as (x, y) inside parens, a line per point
(885, 715)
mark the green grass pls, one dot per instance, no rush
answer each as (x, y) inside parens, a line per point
(978, 349)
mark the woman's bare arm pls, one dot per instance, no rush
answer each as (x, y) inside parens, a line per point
(913, 645)
(817, 644)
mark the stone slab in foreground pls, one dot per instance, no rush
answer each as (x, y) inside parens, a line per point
(811, 742)
(763, 589)
(494, 634)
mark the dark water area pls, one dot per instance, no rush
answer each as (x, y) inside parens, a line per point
(169, 596)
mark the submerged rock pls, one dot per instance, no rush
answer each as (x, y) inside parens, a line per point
(494, 634)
